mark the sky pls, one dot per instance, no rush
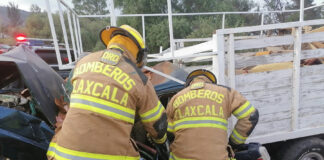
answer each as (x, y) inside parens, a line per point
(25, 4)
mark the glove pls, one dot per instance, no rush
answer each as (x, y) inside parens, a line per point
(248, 152)
(163, 150)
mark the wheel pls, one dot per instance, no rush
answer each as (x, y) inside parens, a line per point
(305, 149)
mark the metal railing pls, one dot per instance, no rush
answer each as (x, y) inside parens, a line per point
(75, 30)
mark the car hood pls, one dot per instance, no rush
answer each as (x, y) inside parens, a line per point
(43, 82)
(163, 85)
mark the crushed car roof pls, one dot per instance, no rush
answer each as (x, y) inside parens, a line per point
(43, 82)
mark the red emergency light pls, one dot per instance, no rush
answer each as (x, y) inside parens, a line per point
(21, 38)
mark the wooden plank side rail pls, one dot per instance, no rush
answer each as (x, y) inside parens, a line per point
(276, 41)
(245, 61)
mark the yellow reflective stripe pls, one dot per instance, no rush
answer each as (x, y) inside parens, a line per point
(252, 109)
(153, 114)
(241, 108)
(237, 137)
(197, 122)
(200, 118)
(173, 157)
(244, 110)
(57, 157)
(162, 140)
(170, 127)
(200, 125)
(104, 102)
(101, 111)
(59, 152)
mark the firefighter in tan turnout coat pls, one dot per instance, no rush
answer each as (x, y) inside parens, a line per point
(197, 117)
(109, 89)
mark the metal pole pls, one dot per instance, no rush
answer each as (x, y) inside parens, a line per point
(79, 34)
(170, 27)
(71, 34)
(164, 75)
(66, 41)
(223, 21)
(51, 22)
(143, 27)
(76, 34)
(301, 12)
(112, 13)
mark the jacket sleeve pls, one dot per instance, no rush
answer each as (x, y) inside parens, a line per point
(247, 117)
(152, 114)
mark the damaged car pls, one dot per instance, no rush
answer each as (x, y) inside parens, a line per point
(28, 88)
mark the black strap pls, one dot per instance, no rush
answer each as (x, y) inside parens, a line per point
(139, 72)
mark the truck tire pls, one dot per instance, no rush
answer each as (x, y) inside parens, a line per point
(305, 149)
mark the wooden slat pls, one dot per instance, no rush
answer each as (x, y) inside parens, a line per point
(316, 53)
(263, 80)
(263, 42)
(231, 63)
(272, 127)
(313, 37)
(312, 121)
(244, 61)
(271, 26)
(273, 104)
(296, 80)
(221, 59)
(311, 74)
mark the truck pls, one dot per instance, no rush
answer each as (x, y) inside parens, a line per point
(290, 99)
(44, 48)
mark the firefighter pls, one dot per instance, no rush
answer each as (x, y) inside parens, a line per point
(109, 89)
(197, 118)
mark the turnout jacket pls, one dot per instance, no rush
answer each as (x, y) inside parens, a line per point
(108, 90)
(197, 116)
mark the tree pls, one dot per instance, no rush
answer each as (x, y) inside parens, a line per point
(37, 25)
(183, 26)
(34, 8)
(13, 14)
(98, 7)
(273, 5)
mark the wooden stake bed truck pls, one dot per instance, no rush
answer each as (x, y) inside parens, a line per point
(290, 99)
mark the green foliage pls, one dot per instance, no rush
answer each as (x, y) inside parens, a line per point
(90, 29)
(37, 25)
(90, 6)
(142, 6)
(157, 32)
(290, 5)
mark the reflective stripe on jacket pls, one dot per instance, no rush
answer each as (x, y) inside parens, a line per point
(197, 116)
(108, 91)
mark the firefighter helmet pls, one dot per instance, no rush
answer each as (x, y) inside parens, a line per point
(107, 33)
(200, 72)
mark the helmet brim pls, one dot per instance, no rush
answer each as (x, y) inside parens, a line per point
(105, 34)
(201, 72)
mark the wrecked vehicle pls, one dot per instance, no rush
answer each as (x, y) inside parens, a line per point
(28, 88)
